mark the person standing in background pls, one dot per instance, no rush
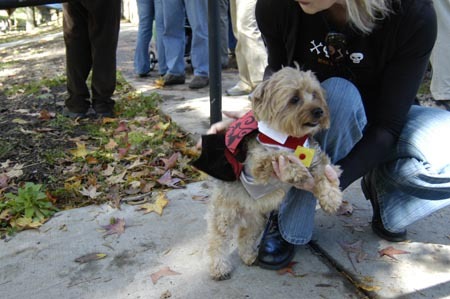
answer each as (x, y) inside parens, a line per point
(91, 33)
(146, 15)
(149, 11)
(224, 6)
(174, 39)
(440, 62)
(160, 51)
(250, 51)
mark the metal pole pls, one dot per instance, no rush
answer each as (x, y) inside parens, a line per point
(215, 69)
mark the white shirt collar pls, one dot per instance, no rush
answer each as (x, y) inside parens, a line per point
(279, 137)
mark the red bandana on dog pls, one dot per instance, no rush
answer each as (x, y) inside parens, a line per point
(214, 148)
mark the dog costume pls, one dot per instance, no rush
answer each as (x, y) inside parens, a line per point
(223, 155)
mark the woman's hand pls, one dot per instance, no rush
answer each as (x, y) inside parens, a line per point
(222, 126)
(281, 165)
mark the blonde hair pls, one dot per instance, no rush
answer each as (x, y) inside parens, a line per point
(363, 14)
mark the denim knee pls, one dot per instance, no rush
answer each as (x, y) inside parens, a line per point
(347, 118)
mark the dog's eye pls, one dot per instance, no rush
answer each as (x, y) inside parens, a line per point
(294, 100)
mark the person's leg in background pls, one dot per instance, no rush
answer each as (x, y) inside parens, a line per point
(440, 62)
(232, 41)
(223, 29)
(160, 48)
(250, 51)
(78, 58)
(174, 41)
(146, 15)
(104, 27)
(197, 14)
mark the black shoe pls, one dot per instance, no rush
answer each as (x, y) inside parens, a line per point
(199, 82)
(103, 114)
(169, 79)
(377, 224)
(67, 113)
(144, 75)
(274, 252)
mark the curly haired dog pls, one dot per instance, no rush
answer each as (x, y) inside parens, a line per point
(292, 103)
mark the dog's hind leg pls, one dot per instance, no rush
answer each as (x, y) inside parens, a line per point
(249, 233)
(221, 224)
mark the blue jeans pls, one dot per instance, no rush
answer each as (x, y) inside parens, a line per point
(146, 14)
(159, 26)
(415, 183)
(174, 12)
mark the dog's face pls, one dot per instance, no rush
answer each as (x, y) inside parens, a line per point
(292, 102)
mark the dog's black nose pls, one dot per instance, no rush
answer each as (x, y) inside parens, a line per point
(317, 113)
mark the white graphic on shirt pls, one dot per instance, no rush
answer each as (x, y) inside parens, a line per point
(339, 54)
(316, 47)
(356, 57)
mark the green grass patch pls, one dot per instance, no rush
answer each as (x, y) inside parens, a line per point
(137, 104)
(52, 156)
(5, 148)
(35, 86)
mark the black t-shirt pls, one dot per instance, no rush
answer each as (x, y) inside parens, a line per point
(387, 65)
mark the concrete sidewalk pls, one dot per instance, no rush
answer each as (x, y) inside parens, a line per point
(341, 262)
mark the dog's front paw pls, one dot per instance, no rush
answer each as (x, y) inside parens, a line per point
(220, 270)
(296, 175)
(328, 195)
(249, 257)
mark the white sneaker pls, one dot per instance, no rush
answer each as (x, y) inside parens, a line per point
(239, 89)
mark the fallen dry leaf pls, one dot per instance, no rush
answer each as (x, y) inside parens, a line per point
(80, 151)
(19, 121)
(167, 180)
(90, 257)
(171, 162)
(111, 144)
(122, 127)
(288, 269)
(108, 171)
(157, 206)
(15, 172)
(107, 120)
(25, 222)
(165, 271)
(91, 192)
(3, 180)
(115, 226)
(201, 198)
(116, 179)
(91, 160)
(391, 251)
(367, 283)
(159, 83)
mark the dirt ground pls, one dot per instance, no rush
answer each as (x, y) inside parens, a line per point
(37, 142)
(24, 95)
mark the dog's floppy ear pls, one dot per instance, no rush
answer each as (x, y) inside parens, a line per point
(259, 91)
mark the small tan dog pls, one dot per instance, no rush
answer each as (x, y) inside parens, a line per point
(292, 103)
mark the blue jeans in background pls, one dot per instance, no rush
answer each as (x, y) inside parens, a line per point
(146, 14)
(415, 183)
(174, 14)
(159, 26)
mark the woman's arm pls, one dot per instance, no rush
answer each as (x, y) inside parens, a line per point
(401, 79)
(269, 14)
